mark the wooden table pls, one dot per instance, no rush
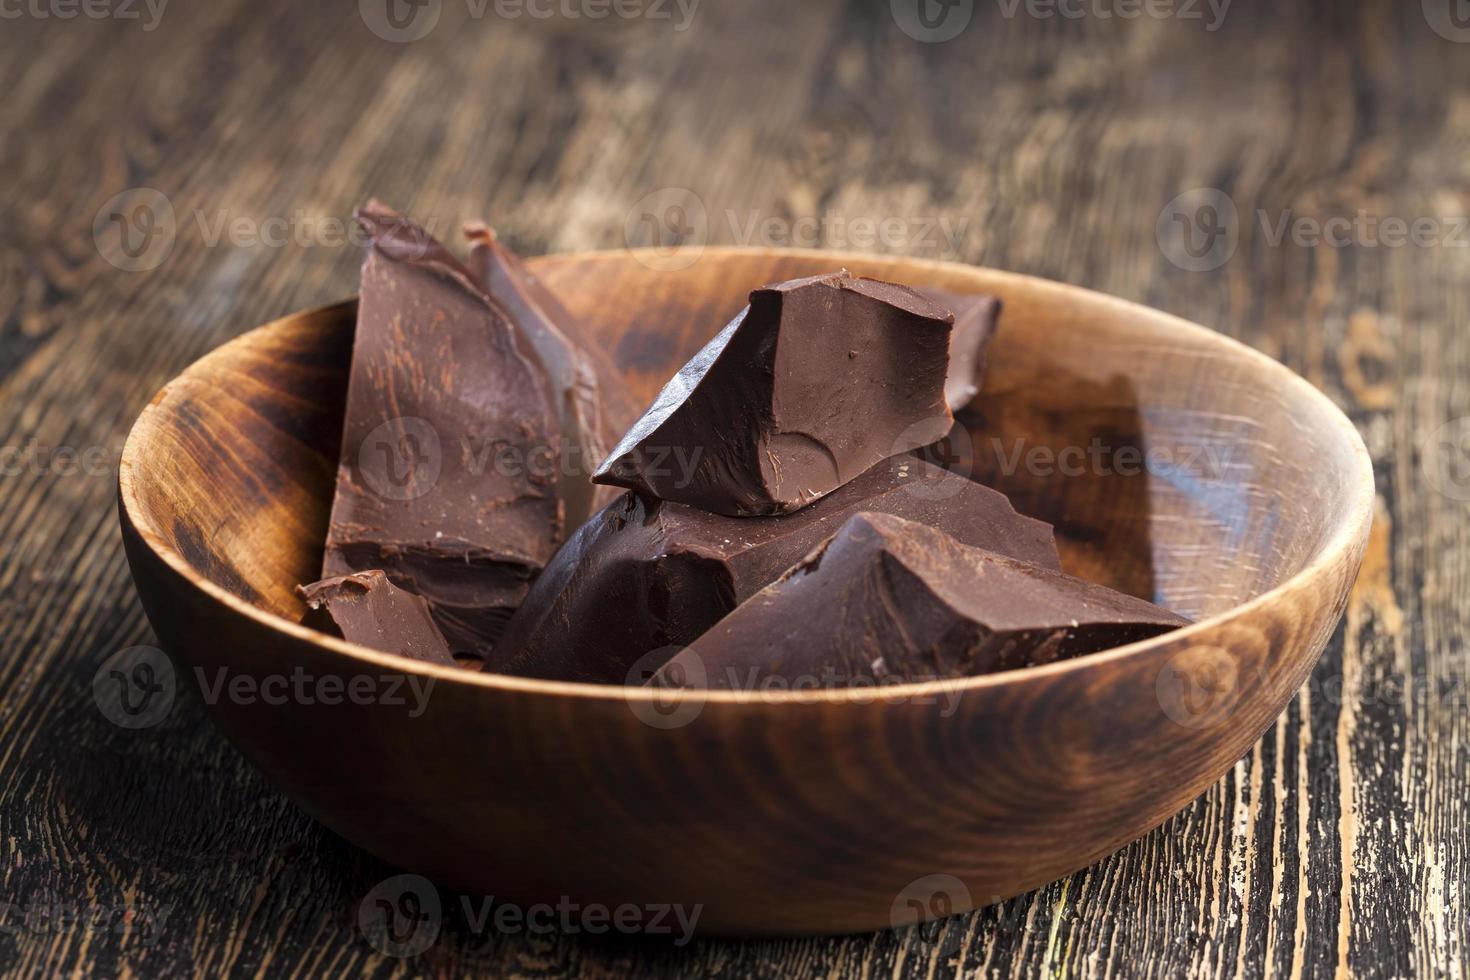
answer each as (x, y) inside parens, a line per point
(1051, 145)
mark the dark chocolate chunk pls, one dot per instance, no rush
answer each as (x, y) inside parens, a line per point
(370, 610)
(447, 413)
(812, 384)
(975, 319)
(644, 576)
(890, 600)
(593, 402)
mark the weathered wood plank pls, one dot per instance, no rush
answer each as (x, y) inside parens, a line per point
(1049, 146)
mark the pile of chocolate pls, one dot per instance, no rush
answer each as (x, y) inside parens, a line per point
(768, 521)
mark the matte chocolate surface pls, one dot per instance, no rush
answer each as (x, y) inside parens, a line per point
(889, 600)
(592, 401)
(647, 576)
(370, 610)
(813, 383)
(446, 416)
(976, 317)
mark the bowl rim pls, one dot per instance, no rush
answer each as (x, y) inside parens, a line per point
(1351, 531)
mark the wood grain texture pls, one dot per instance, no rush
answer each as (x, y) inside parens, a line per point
(788, 812)
(1336, 844)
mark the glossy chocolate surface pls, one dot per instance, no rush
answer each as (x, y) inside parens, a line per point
(976, 317)
(889, 600)
(812, 384)
(643, 577)
(442, 482)
(592, 401)
(368, 609)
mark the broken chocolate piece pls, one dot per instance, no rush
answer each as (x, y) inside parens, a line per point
(975, 319)
(890, 600)
(371, 611)
(594, 404)
(647, 575)
(442, 481)
(812, 384)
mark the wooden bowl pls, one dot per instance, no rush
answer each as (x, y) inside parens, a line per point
(783, 812)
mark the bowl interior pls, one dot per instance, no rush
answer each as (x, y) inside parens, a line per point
(1176, 464)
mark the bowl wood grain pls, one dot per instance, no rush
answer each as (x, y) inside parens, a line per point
(785, 812)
